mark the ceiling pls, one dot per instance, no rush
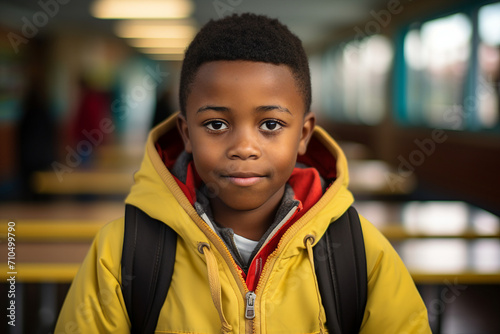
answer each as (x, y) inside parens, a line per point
(311, 20)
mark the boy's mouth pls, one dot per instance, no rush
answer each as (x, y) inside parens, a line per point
(244, 179)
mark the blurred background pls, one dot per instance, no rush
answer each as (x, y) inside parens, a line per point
(409, 88)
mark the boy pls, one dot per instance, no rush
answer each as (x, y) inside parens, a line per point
(253, 187)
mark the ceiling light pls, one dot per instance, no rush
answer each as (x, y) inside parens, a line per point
(159, 42)
(147, 9)
(156, 29)
(163, 50)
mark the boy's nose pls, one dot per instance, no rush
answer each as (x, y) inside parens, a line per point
(244, 146)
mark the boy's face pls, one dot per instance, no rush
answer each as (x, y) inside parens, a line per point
(245, 125)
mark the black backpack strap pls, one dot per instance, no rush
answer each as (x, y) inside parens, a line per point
(340, 263)
(148, 258)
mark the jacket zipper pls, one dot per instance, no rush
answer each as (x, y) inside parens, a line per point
(212, 236)
(250, 306)
(249, 297)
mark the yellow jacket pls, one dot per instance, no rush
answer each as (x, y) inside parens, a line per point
(287, 300)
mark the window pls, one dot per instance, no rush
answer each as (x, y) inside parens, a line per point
(489, 65)
(451, 73)
(355, 80)
(437, 56)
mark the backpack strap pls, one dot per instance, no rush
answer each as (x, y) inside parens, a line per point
(148, 258)
(340, 263)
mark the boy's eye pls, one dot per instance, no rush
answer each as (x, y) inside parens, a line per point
(216, 125)
(271, 126)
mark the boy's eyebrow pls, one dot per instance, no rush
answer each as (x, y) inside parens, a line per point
(274, 107)
(215, 108)
(260, 108)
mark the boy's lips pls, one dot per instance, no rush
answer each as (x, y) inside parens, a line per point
(244, 179)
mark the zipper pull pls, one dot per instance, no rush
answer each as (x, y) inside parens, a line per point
(250, 308)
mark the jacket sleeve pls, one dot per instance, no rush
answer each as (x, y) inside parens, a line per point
(94, 303)
(393, 304)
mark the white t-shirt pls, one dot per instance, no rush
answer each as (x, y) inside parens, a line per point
(245, 246)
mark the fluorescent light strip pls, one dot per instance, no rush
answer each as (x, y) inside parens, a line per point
(148, 9)
(163, 50)
(155, 31)
(159, 42)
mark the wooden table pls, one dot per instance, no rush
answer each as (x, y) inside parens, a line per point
(53, 238)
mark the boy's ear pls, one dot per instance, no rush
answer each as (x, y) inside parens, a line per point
(182, 126)
(307, 131)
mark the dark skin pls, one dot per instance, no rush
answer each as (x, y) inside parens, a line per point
(245, 125)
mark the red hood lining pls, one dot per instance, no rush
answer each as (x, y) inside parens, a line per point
(319, 157)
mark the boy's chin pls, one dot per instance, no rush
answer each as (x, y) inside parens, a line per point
(242, 203)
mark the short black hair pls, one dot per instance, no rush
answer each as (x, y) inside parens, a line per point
(248, 37)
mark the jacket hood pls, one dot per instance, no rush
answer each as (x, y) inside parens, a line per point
(162, 196)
